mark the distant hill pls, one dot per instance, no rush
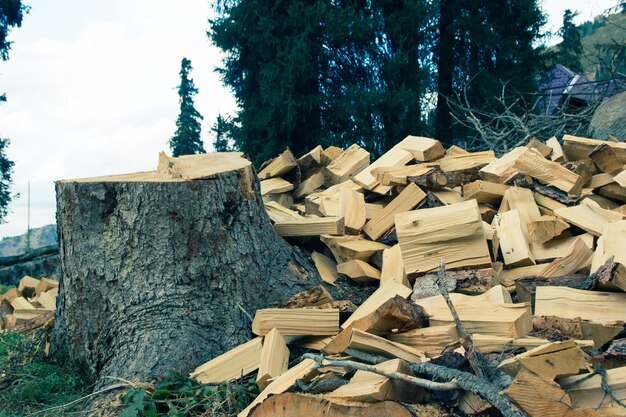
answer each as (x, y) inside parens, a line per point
(41, 236)
(604, 41)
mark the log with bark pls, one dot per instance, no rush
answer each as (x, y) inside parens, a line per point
(160, 268)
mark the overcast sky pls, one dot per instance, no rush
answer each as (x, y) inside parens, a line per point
(91, 89)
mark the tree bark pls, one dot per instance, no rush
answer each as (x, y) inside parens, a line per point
(156, 271)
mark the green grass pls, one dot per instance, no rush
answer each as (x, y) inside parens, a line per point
(177, 395)
(4, 288)
(28, 383)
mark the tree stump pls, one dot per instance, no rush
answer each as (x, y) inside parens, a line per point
(158, 267)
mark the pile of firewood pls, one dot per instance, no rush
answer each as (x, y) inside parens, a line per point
(526, 318)
(32, 303)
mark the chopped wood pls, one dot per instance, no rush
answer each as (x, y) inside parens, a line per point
(346, 248)
(484, 191)
(552, 360)
(599, 180)
(512, 233)
(620, 178)
(490, 343)
(599, 333)
(296, 322)
(509, 277)
(394, 314)
(613, 191)
(47, 301)
(279, 213)
(557, 151)
(576, 148)
(28, 282)
(393, 267)
(423, 149)
(540, 147)
(579, 256)
(284, 199)
(579, 168)
(569, 303)
(539, 396)
(372, 209)
(588, 392)
(330, 154)
(551, 173)
(502, 169)
(359, 271)
(283, 405)
(309, 185)
(275, 186)
(453, 233)
(280, 165)
(522, 200)
(326, 267)
(431, 340)
(547, 204)
(448, 196)
(394, 157)
(20, 303)
(352, 209)
(527, 287)
(410, 197)
(189, 167)
(311, 226)
(464, 168)
(470, 282)
(345, 166)
(606, 159)
(488, 313)
(559, 247)
(11, 294)
(546, 228)
(315, 296)
(611, 244)
(367, 342)
(311, 161)
(239, 361)
(588, 218)
(371, 387)
(274, 358)
(377, 299)
(282, 383)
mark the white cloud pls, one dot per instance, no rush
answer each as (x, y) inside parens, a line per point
(97, 95)
(588, 9)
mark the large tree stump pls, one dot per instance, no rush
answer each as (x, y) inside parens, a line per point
(158, 267)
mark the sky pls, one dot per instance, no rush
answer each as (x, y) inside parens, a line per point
(91, 89)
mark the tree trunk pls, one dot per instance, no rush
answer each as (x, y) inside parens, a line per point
(156, 271)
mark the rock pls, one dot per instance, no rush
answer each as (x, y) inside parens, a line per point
(610, 118)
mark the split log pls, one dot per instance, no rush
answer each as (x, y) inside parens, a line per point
(153, 263)
(290, 404)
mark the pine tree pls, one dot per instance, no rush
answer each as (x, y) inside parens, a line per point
(570, 49)
(11, 15)
(187, 140)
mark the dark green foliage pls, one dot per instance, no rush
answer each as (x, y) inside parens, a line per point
(11, 15)
(5, 288)
(6, 172)
(484, 45)
(187, 140)
(311, 72)
(29, 384)
(222, 130)
(571, 48)
(177, 395)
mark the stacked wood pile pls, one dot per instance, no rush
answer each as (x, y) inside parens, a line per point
(29, 305)
(533, 245)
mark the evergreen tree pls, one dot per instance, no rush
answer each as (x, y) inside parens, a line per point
(483, 44)
(187, 140)
(570, 49)
(306, 72)
(11, 15)
(222, 131)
